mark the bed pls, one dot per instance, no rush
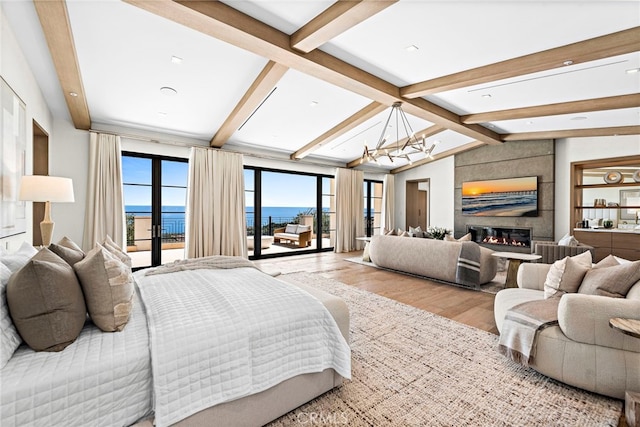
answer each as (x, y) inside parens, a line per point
(267, 360)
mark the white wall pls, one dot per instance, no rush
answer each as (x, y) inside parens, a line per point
(441, 192)
(15, 70)
(577, 149)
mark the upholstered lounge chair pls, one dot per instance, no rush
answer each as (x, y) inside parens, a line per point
(551, 251)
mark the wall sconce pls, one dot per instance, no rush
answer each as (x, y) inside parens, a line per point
(42, 188)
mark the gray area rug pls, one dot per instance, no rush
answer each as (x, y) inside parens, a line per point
(414, 368)
(492, 287)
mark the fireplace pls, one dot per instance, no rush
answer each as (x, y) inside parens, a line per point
(501, 238)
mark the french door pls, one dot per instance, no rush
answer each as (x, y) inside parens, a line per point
(155, 194)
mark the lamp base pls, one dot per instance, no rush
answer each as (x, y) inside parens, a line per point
(46, 229)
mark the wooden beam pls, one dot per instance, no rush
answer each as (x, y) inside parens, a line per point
(620, 43)
(259, 89)
(451, 152)
(572, 133)
(355, 120)
(227, 24)
(424, 133)
(54, 20)
(339, 17)
(598, 104)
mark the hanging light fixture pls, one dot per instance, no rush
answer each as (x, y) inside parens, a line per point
(402, 148)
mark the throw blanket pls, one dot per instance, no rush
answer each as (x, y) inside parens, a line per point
(468, 268)
(521, 326)
(213, 262)
(221, 334)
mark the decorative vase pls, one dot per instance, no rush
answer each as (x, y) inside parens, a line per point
(607, 223)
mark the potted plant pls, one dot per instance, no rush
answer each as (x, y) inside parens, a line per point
(437, 232)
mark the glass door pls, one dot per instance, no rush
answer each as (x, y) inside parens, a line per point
(155, 194)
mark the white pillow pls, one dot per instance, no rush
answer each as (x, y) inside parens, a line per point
(568, 240)
(19, 258)
(9, 338)
(302, 228)
(565, 275)
(291, 228)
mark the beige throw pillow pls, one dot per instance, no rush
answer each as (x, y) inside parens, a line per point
(612, 281)
(117, 251)
(46, 303)
(565, 275)
(67, 250)
(108, 288)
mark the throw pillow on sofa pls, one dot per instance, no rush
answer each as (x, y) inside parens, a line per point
(612, 281)
(565, 275)
(46, 302)
(568, 240)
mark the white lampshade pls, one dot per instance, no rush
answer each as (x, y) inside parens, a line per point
(42, 188)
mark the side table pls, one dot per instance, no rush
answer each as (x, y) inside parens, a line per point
(631, 398)
(515, 259)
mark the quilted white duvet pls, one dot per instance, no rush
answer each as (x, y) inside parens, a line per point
(218, 335)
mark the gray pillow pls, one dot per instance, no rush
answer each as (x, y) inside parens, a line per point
(67, 250)
(108, 288)
(46, 303)
(612, 281)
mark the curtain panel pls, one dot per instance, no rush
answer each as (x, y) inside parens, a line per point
(104, 214)
(349, 209)
(388, 203)
(216, 223)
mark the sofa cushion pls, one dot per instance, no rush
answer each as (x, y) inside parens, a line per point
(566, 275)
(465, 238)
(108, 288)
(46, 302)
(611, 281)
(291, 228)
(303, 228)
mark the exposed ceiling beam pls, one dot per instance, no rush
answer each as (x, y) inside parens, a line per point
(573, 133)
(587, 105)
(258, 91)
(54, 20)
(355, 120)
(232, 26)
(339, 17)
(424, 133)
(451, 152)
(614, 44)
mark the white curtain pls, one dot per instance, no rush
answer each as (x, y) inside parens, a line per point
(349, 209)
(388, 203)
(104, 214)
(215, 204)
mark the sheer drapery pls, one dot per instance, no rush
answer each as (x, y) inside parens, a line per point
(388, 202)
(349, 209)
(215, 204)
(104, 214)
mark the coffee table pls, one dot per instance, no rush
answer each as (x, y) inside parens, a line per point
(515, 259)
(631, 398)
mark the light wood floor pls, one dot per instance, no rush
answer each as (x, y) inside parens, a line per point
(473, 308)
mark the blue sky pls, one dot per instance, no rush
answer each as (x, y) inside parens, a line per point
(279, 189)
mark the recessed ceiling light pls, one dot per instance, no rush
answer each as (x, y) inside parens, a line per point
(313, 103)
(579, 118)
(162, 113)
(486, 95)
(73, 94)
(530, 122)
(411, 48)
(568, 62)
(633, 71)
(168, 91)
(176, 60)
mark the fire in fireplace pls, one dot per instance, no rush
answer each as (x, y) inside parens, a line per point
(502, 236)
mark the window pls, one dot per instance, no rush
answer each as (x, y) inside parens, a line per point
(372, 207)
(155, 194)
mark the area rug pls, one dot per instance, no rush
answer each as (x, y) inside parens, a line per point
(492, 287)
(414, 368)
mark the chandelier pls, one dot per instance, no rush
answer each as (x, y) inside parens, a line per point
(403, 147)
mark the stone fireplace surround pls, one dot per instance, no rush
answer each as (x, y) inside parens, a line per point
(509, 160)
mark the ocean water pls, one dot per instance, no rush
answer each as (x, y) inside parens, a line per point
(500, 204)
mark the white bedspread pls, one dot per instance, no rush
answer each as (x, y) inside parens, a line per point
(218, 335)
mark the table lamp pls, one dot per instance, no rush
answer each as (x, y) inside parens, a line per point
(42, 188)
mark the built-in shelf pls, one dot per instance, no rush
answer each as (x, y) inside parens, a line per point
(607, 207)
(605, 185)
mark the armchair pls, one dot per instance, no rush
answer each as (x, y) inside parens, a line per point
(582, 350)
(551, 251)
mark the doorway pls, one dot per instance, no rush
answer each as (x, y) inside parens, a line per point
(417, 204)
(155, 196)
(40, 167)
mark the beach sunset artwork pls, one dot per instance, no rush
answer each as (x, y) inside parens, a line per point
(501, 197)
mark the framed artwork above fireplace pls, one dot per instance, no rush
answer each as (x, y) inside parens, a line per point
(508, 197)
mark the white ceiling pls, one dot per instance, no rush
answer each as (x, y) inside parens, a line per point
(125, 54)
